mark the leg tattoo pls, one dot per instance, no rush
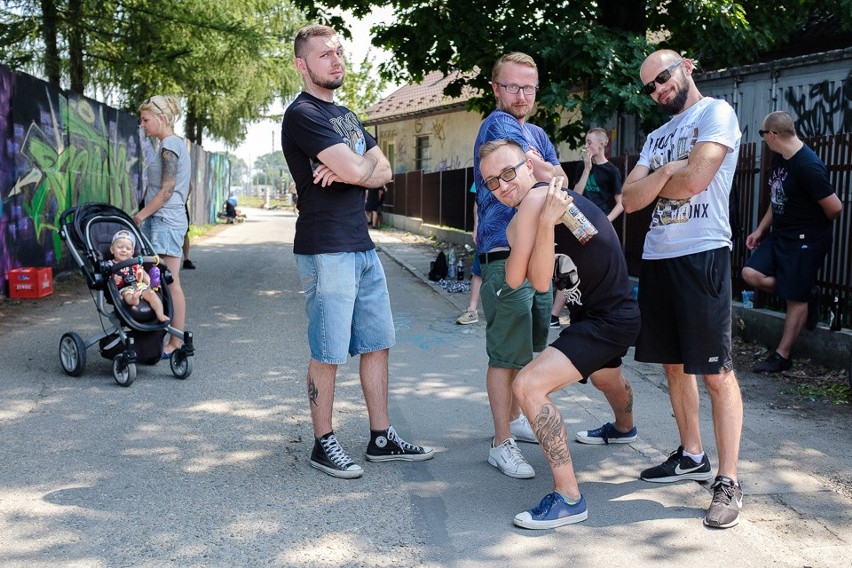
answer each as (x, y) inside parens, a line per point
(551, 434)
(629, 408)
(313, 392)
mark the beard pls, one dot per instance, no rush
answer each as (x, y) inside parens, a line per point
(329, 84)
(675, 105)
(518, 112)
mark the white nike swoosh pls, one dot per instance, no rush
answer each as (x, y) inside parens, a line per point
(679, 471)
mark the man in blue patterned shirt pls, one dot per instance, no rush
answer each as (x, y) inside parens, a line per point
(524, 314)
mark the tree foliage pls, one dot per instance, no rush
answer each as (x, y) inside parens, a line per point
(363, 86)
(228, 60)
(588, 52)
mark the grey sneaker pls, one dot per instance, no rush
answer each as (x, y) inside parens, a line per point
(330, 457)
(724, 510)
(522, 431)
(507, 458)
(468, 317)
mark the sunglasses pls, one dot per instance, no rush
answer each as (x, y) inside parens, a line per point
(506, 175)
(152, 102)
(764, 132)
(664, 76)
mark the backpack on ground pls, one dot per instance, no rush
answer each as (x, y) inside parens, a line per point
(438, 268)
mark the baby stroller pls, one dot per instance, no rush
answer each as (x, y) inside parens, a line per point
(132, 334)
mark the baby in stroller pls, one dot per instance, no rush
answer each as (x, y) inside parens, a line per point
(121, 270)
(133, 282)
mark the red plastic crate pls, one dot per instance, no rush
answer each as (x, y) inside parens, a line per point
(30, 282)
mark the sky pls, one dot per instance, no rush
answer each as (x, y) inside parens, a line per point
(265, 137)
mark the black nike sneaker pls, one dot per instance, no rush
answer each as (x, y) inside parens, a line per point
(677, 468)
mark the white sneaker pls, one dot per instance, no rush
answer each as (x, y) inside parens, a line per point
(522, 430)
(507, 458)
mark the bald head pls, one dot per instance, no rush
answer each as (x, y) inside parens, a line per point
(781, 123)
(656, 62)
(667, 79)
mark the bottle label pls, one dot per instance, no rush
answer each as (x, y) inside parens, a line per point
(579, 224)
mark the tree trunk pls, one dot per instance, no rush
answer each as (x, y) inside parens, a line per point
(51, 51)
(77, 70)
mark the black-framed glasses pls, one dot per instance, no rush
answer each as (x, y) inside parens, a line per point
(764, 132)
(506, 175)
(513, 89)
(664, 76)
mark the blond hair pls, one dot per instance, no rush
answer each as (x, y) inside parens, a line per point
(600, 132)
(167, 107)
(513, 57)
(490, 147)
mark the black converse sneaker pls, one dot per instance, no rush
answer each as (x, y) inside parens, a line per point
(330, 457)
(389, 446)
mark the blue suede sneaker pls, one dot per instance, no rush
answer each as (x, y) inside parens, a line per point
(606, 434)
(553, 511)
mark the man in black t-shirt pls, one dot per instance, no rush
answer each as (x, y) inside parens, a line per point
(604, 319)
(332, 160)
(597, 178)
(798, 222)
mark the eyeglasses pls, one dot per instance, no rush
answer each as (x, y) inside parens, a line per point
(764, 132)
(513, 89)
(664, 76)
(506, 175)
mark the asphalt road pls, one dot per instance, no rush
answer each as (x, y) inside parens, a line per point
(213, 470)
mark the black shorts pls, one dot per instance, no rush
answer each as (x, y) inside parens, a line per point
(686, 312)
(793, 262)
(596, 342)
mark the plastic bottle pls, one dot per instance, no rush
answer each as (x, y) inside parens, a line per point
(451, 264)
(834, 317)
(460, 269)
(579, 224)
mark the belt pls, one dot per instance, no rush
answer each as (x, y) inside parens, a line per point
(487, 257)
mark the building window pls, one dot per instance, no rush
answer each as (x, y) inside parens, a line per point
(389, 150)
(421, 154)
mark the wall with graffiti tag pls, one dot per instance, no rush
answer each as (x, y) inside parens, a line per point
(59, 149)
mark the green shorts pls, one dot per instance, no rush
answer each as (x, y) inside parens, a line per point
(517, 320)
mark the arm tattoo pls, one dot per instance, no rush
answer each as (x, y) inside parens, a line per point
(313, 392)
(551, 434)
(170, 164)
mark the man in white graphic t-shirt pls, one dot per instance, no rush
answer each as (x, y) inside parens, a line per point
(686, 168)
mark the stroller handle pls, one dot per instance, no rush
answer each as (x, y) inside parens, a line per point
(112, 269)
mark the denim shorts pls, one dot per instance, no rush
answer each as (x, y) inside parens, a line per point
(347, 304)
(165, 238)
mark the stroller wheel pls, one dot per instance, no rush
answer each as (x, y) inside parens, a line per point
(123, 372)
(72, 354)
(180, 363)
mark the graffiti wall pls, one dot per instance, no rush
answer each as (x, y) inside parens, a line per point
(59, 149)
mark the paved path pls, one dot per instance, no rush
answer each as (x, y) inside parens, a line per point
(212, 471)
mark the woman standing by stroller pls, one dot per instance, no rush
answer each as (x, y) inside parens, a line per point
(163, 218)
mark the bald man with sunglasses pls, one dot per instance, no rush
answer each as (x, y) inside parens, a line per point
(685, 171)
